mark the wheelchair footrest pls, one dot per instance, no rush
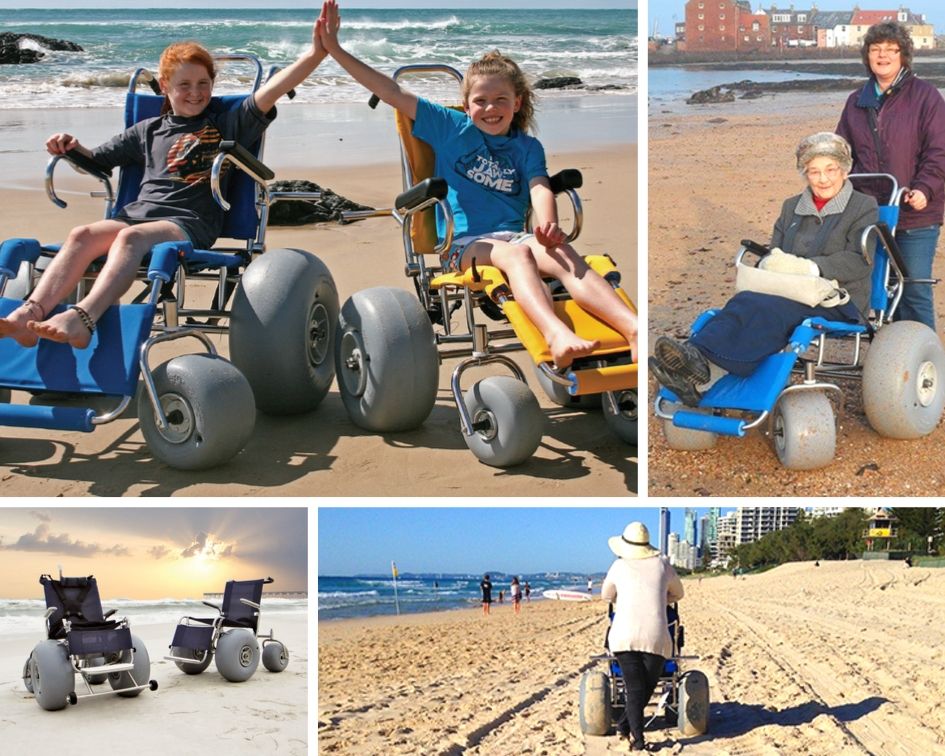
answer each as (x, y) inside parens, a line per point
(597, 380)
(726, 426)
(53, 418)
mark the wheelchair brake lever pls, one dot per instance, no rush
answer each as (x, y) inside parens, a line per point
(477, 277)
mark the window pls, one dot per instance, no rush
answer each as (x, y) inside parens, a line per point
(755, 26)
(701, 16)
(800, 29)
(721, 17)
(722, 28)
(701, 6)
(701, 27)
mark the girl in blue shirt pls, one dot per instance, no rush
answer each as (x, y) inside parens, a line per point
(494, 170)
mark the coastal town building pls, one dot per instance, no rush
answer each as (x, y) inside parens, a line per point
(725, 25)
(732, 26)
(754, 523)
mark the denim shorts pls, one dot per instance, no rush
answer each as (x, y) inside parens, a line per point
(453, 257)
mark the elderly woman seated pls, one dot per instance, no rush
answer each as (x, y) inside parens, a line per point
(820, 231)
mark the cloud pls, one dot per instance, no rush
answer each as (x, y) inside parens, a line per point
(42, 539)
(41, 516)
(208, 546)
(160, 551)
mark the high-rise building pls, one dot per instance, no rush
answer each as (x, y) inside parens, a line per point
(726, 527)
(664, 531)
(689, 526)
(753, 523)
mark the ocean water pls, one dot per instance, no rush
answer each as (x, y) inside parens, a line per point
(599, 46)
(341, 597)
(26, 615)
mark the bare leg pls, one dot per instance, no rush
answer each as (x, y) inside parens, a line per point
(588, 289)
(83, 245)
(518, 263)
(127, 250)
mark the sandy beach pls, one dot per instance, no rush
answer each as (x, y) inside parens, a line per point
(718, 174)
(322, 453)
(841, 658)
(186, 714)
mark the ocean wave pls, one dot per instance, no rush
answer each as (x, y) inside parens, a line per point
(98, 80)
(367, 23)
(345, 594)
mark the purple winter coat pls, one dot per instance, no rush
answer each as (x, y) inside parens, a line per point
(911, 132)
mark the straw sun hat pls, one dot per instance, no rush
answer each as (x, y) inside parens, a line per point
(634, 543)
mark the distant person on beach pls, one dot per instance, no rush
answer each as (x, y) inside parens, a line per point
(485, 586)
(817, 233)
(501, 597)
(590, 585)
(494, 170)
(896, 124)
(528, 591)
(516, 593)
(643, 584)
(174, 202)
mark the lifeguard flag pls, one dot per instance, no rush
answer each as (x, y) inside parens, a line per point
(393, 569)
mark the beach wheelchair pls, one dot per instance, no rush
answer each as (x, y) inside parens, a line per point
(902, 372)
(197, 410)
(390, 344)
(81, 639)
(683, 695)
(231, 636)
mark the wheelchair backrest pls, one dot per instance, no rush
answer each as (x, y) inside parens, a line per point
(241, 220)
(234, 610)
(879, 296)
(74, 598)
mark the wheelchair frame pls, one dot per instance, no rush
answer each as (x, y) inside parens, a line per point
(440, 294)
(760, 396)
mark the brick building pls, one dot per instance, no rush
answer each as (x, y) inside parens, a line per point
(791, 27)
(729, 25)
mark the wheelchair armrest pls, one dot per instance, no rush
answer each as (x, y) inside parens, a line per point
(244, 156)
(755, 248)
(421, 195)
(84, 163)
(212, 606)
(242, 159)
(569, 178)
(268, 580)
(109, 613)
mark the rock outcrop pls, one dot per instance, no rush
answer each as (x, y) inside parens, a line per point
(299, 212)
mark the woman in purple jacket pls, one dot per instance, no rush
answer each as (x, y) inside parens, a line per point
(896, 124)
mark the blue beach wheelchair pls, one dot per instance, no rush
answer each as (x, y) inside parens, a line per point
(231, 636)
(500, 419)
(81, 639)
(279, 309)
(902, 372)
(682, 694)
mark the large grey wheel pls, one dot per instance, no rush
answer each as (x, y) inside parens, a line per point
(804, 433)
(138, 675)
(210, 411)
(594, 709)
(192, 653)
(624, 422)
(386, 360)
(27, 674)
(560, 396)
(52, 675)
(275, 656)
(904, 380)
(686, 439)
(507, 418)
(284, 316)
(237, 654)
(693, 703)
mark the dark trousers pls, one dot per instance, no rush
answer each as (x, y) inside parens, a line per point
(641, 672)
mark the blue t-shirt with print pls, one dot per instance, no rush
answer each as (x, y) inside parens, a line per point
(488, 176)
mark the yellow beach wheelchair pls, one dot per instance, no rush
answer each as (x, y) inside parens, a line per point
(390, 345)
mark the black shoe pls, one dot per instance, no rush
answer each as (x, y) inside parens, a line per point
(684, 389)
(681, 359)
(638, 745)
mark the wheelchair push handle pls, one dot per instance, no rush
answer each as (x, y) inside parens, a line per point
(759, 249)
(84, 163)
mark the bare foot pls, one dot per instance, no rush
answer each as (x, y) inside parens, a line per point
(566, 346)
(66, 328)
(16, 326)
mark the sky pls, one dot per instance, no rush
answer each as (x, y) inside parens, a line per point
(519, 540)
(153, 553)
(667, 12)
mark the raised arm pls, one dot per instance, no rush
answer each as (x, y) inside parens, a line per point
(380, 84)
(293, 75)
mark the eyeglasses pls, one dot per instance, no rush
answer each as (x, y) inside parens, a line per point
(877, 50)
(831, 173)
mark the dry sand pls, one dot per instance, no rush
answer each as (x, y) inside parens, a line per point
(843, 658)
(718, 174)
(322, 453)
(186, 714)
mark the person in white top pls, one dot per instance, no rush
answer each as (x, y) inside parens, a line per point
(516, 591)
(642, 583)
